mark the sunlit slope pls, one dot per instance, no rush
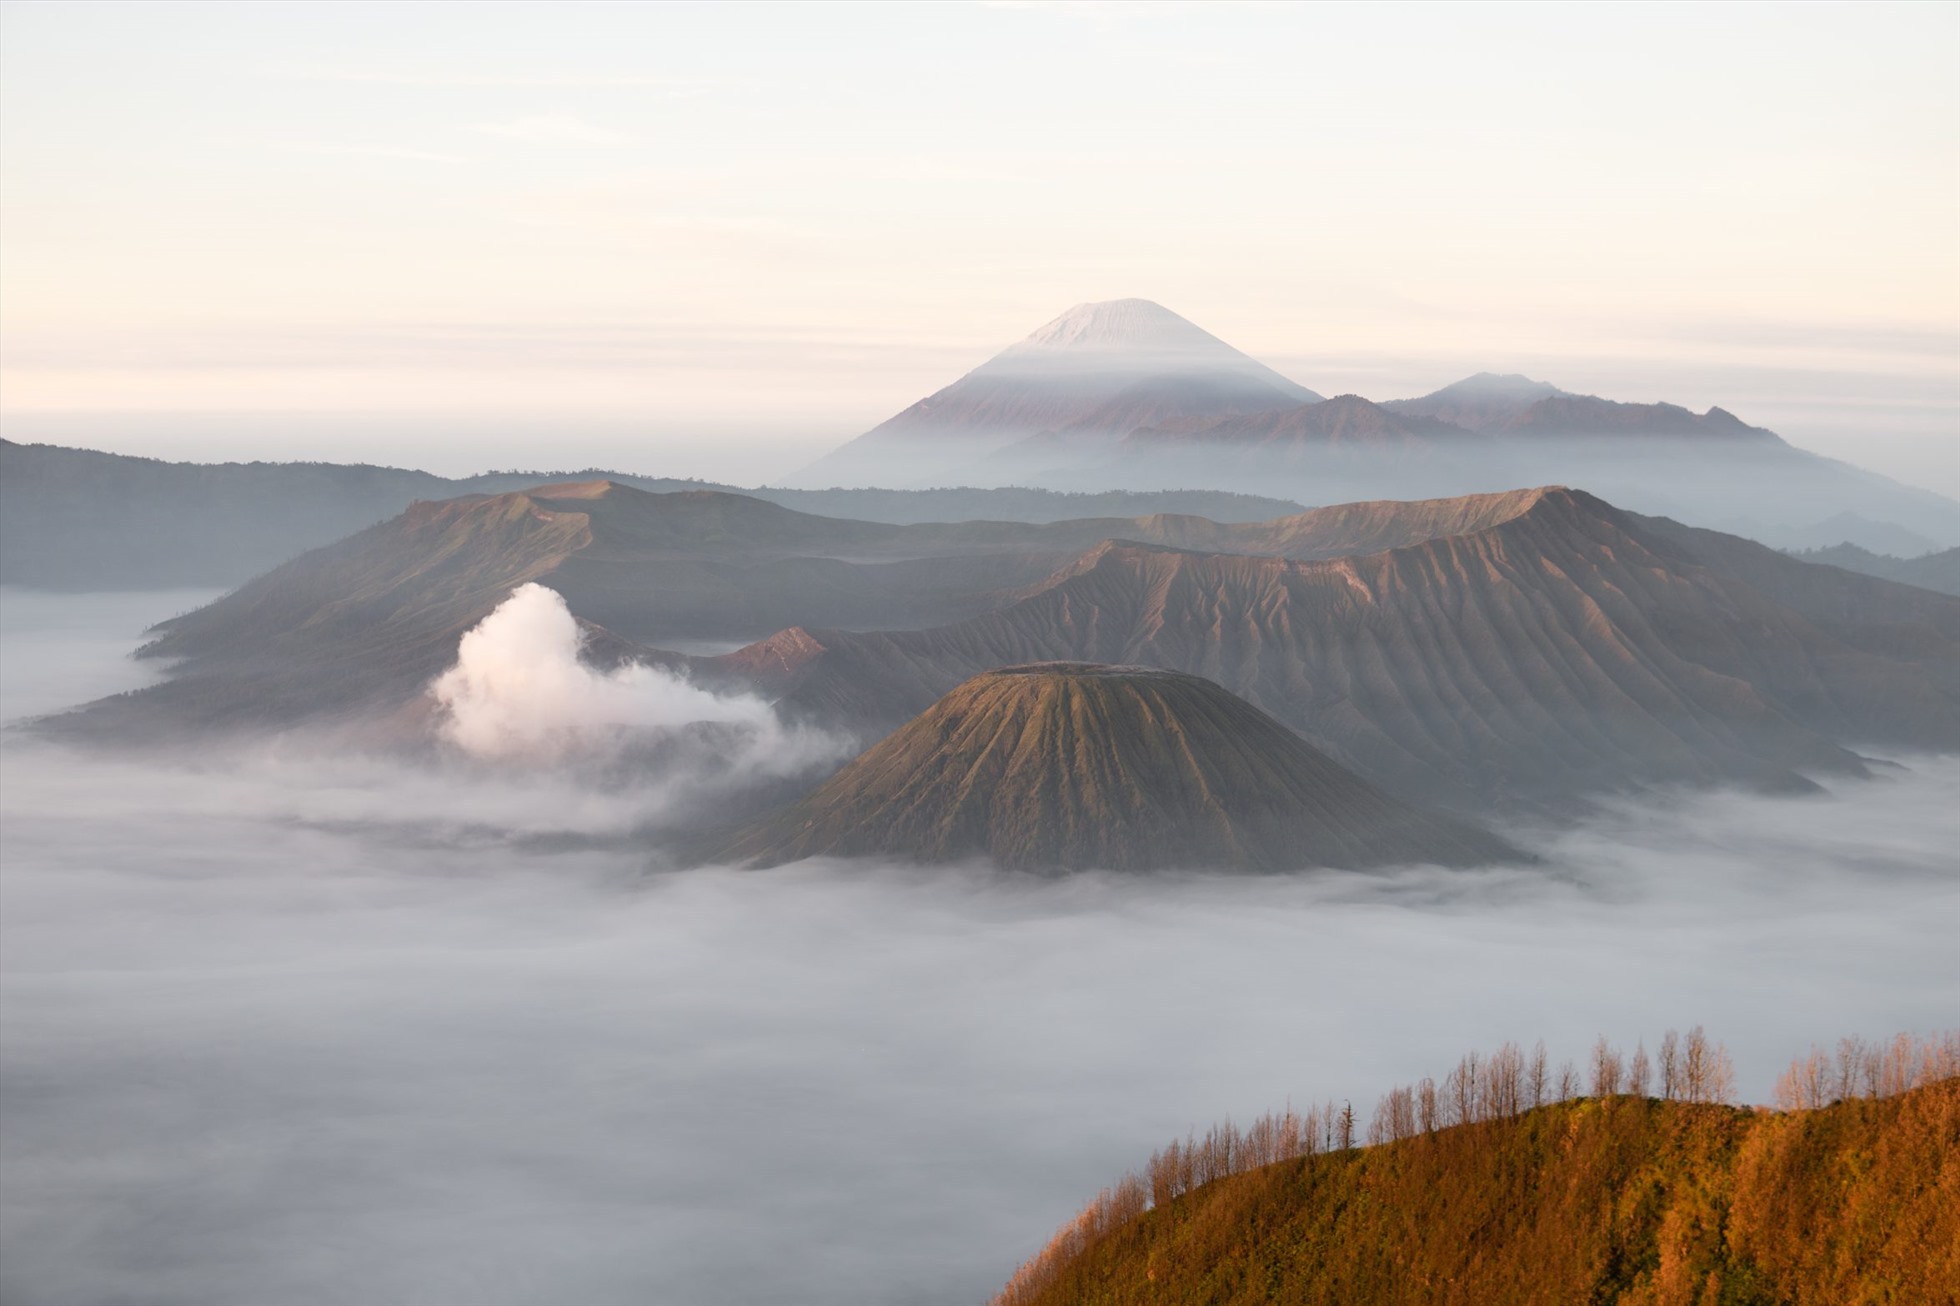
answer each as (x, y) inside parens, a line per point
(1540, 645)
(370, 618)
(1069, 766)
(350, 625)
(1620, 1200)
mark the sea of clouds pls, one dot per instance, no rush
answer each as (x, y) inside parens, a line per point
(285, 1023)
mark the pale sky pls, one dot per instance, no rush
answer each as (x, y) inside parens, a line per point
(718, 240)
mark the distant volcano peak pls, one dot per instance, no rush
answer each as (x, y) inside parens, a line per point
(1098, 371)
(1122, 326)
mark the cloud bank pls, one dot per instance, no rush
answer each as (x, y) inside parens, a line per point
(310, 1030)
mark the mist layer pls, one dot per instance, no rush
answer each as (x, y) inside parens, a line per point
(315, 1028)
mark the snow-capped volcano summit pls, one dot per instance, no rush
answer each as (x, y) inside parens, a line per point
(1098, 371)
(1119, 326)
(1119, 337)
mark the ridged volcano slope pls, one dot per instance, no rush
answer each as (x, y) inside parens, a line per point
(362, 625)
(1073, 766)
(1552, 647)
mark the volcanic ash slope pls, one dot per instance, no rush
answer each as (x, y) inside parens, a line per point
(1073, 766)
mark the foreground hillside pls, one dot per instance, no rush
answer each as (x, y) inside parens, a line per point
(1615, 1199)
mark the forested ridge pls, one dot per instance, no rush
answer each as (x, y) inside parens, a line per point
(1503, 1183)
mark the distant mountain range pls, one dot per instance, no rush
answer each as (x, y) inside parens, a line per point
(77, 519)
(1933, 571)
(1128, 393)
(1525, 649)
(1119, 409)
(1073, 766)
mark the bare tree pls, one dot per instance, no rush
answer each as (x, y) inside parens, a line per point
(1395, 1117)
(1872, 1072)
(1535, 1077)
(1638, 1070)
(1721, 1074)
(1504, 1083)
(1605, 1069)
(1670, 1065)
(1847, 1073)
(1803, 1086)
(1695, 1066)
(1461, 1089)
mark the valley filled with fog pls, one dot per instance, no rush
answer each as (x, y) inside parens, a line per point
(288, 1021)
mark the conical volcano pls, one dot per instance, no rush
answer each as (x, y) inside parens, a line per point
(1074, 766)
(1095, 373)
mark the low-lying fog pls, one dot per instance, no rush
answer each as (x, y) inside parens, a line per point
(281, 1026)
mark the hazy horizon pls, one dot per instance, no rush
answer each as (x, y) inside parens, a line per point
(666, 239)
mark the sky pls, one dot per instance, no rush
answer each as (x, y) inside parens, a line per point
(717, 240)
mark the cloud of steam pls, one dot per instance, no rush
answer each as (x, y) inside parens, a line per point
(519, 693)
(271, 1033)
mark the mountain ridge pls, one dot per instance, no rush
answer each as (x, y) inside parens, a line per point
(1553, 647)
(82, 519)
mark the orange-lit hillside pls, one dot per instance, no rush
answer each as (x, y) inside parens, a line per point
(1622, 1198)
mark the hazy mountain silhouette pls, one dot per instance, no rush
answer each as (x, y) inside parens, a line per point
(1074, 766)
(1878, 537)
(1518, 405)
(1588, 415)
(1343, 422)
(1128, 394)
(1096, 372)
(1478, 402)
(79, 519)
(1933, 571)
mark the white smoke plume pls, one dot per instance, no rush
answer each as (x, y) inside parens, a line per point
(519, 693)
